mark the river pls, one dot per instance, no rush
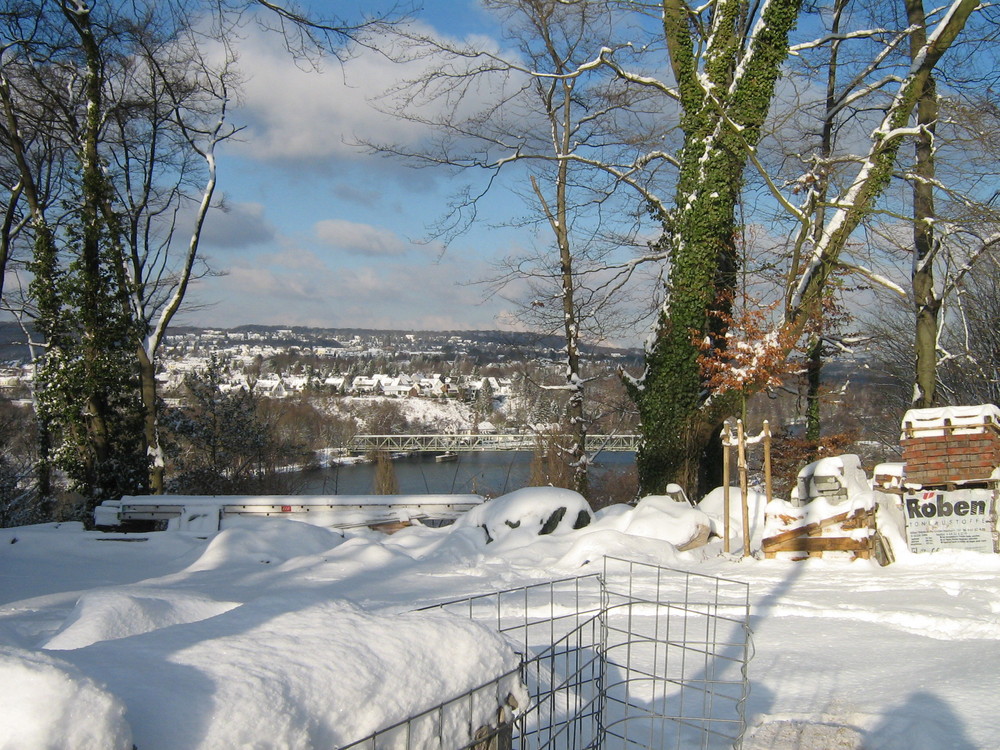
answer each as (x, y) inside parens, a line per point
(489, 473)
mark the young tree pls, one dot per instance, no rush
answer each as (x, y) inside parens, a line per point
(162, 147)
(220, 445)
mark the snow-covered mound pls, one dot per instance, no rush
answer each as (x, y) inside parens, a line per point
(49, 704)
(524, 514)
(714, 505)
(295, 670)
(276, 634)
(268, 540)
(104, 615)
(660, 517)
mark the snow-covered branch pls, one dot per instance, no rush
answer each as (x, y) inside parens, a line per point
(874, 172)
(796, 49)
(874, 277)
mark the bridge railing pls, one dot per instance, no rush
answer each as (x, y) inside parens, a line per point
(468, 442)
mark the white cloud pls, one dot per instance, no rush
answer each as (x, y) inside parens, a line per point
(293, 257)
(308, 115)
(362, 239)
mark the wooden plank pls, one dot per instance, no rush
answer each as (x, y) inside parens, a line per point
(809, 529)
(821, 544)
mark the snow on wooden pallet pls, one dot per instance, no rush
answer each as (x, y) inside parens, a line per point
(812, 540)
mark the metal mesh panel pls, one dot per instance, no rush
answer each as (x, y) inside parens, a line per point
(640, 656)
(676, 651)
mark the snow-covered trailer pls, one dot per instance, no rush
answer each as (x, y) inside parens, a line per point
(210, 512)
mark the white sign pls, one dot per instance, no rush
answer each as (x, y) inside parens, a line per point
(958, 519)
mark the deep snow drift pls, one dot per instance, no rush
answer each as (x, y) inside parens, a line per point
(276, 634)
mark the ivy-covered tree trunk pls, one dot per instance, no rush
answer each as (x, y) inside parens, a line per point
(725, 94)
(92, 234)
(814, 373)
(44, 270)
(87, 392)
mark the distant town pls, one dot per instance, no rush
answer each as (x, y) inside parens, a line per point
(284, 361)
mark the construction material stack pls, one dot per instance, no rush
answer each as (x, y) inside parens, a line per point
(951, 477)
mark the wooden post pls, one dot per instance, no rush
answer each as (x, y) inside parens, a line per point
(741, 459)
(726, 471)
(767, 459)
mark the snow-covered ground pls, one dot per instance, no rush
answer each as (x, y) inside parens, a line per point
(278, 634)
(430, 414)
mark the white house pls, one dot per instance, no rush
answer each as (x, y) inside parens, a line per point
(400, 387)
(435, 386)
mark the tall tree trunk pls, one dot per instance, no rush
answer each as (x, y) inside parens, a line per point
(576, 452)
(814, 376)
(925, 299)
(821, 189)
(95, 448)
(44, 286)
(678, 417)
(560, 110)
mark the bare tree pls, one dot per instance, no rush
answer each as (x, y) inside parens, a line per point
(105, 110)
(939, 230)
(549, 117)
(159, 157)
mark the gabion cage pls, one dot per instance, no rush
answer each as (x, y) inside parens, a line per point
(638, 656)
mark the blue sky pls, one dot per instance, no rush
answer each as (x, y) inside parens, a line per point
(317, 232)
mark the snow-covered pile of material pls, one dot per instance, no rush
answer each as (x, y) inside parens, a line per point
(833, 500)
(824, 519)
(834, 476)
(520, 516)
(783, 516)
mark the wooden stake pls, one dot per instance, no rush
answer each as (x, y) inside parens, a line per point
(767, 459)
(741, 459)
(726, 471)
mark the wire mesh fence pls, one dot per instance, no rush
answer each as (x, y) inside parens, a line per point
(676, 650)
(638, 656)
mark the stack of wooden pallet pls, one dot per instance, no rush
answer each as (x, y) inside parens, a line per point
(832, 534)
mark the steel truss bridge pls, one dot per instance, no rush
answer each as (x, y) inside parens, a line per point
(465, 443)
